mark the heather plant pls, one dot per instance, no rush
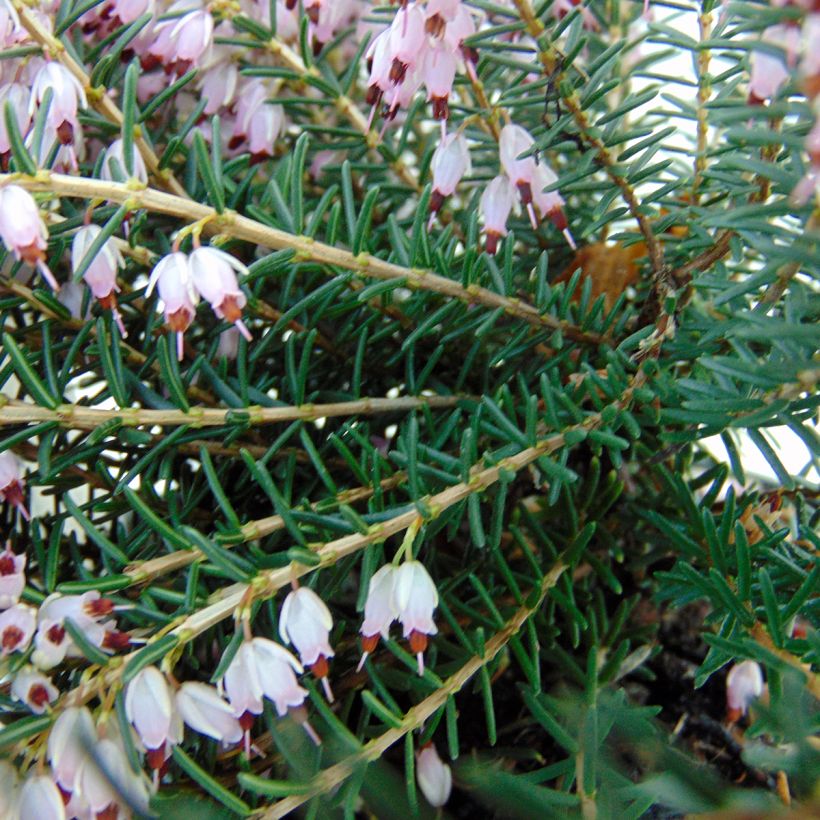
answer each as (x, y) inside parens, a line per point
(447, 502)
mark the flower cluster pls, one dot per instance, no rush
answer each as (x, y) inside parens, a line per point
(42, 635)
(422, 46)
(207, 272)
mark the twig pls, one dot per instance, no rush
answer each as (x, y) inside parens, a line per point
(79, 417)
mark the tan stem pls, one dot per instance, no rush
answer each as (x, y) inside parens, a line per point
(249, 230)
(76, 416)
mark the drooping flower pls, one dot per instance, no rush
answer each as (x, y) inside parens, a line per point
(17, 625)
(434, 776)
(172, 278)
(69, 741)
(744, 683)
(17, 97)
(149, 706)
(438, 73)
(768, 71)
(34, 689)
(513, 142)
(550, 203)
(214, 275)
(305, 621)
(12, 577)
(40, 799)
(379, 609)
(67, 98)
(9, 789)
(101, 274)
(263, 668)
(495, 206)
(180, 42)
(201, 707)
(257, 121)
(23, 231)
(107, 783)
(450, 162)
(415, 598)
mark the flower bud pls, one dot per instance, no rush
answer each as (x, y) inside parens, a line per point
(744, 683)
(434, 776)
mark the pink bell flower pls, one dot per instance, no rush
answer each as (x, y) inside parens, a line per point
(214, 275)
(40, 799)
(149, 706)
(172, 278)
(550, 203)
(110, 787)
(380, 61)
(201, 707)
(90, 613)
(9, 789)
(69, 740)
(495, 206)
(415, 598)
(218, 86)
(34, 689)
(263, 669)
(450, 162)
(181, 42)
(10, 29)
(438, 73)
(513, 142)
(101, 274)
(17, 96)
(23, 231)
(257, 121)
(407, 41)
(51, 644)
(744, 683)
(305, 621)
(768, 72)
(17, 625)
(434, 776)
(12, 577)
(113, 167)
(809, 185)
(125, 12)
(67, 98)
(379, 610)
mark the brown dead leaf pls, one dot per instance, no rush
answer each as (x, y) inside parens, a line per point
(612, 269)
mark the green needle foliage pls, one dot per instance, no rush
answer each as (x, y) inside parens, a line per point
(529, 425)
